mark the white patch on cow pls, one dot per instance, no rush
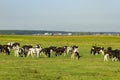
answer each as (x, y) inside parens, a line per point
(75, 50)
(93, 48)
(102, 52)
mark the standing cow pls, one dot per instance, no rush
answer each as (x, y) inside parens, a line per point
(75, 54)
(113, 54)
(35, 51)
(96, 50)
(5, 49)
(26, 49)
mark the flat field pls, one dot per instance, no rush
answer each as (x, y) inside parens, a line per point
(89, 67)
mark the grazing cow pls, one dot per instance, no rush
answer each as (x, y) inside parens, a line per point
(46, 51)
(5, 49)
(114, 54)
(52, 49)
(26, 49)
(69, 49)
(75, 53)
(96, 50)
(34, 51)
(60, 50)
(18, 51)
(117, 55)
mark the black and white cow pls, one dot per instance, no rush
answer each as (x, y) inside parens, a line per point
(52, 50)
(46, 51)
(60, 51)
(5, 49)
(69, 49)
(114, 54)
(75, 54)
(35, 51)
(18, 51)
(96, 50)
(26, 49)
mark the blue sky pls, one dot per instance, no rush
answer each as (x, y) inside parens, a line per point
(60, 15)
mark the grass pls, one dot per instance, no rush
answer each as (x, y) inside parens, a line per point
(89, 67)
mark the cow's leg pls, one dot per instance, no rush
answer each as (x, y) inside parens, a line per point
(38, 54)
(91, 51)
(106, 57)
(17, 53)
(102, 52)
(72, 56)
(49, 54)
(32, 54)
(94, 53)
(25, 53)
(114, 59)
(55, 54)
(8, 52)
(65, 53)
(28, 54)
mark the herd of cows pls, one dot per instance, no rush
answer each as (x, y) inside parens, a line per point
(38, 50)
(107, 53)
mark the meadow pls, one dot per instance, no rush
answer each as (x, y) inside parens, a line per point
(88, 67)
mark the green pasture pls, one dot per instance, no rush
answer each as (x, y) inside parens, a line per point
(89, 67)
